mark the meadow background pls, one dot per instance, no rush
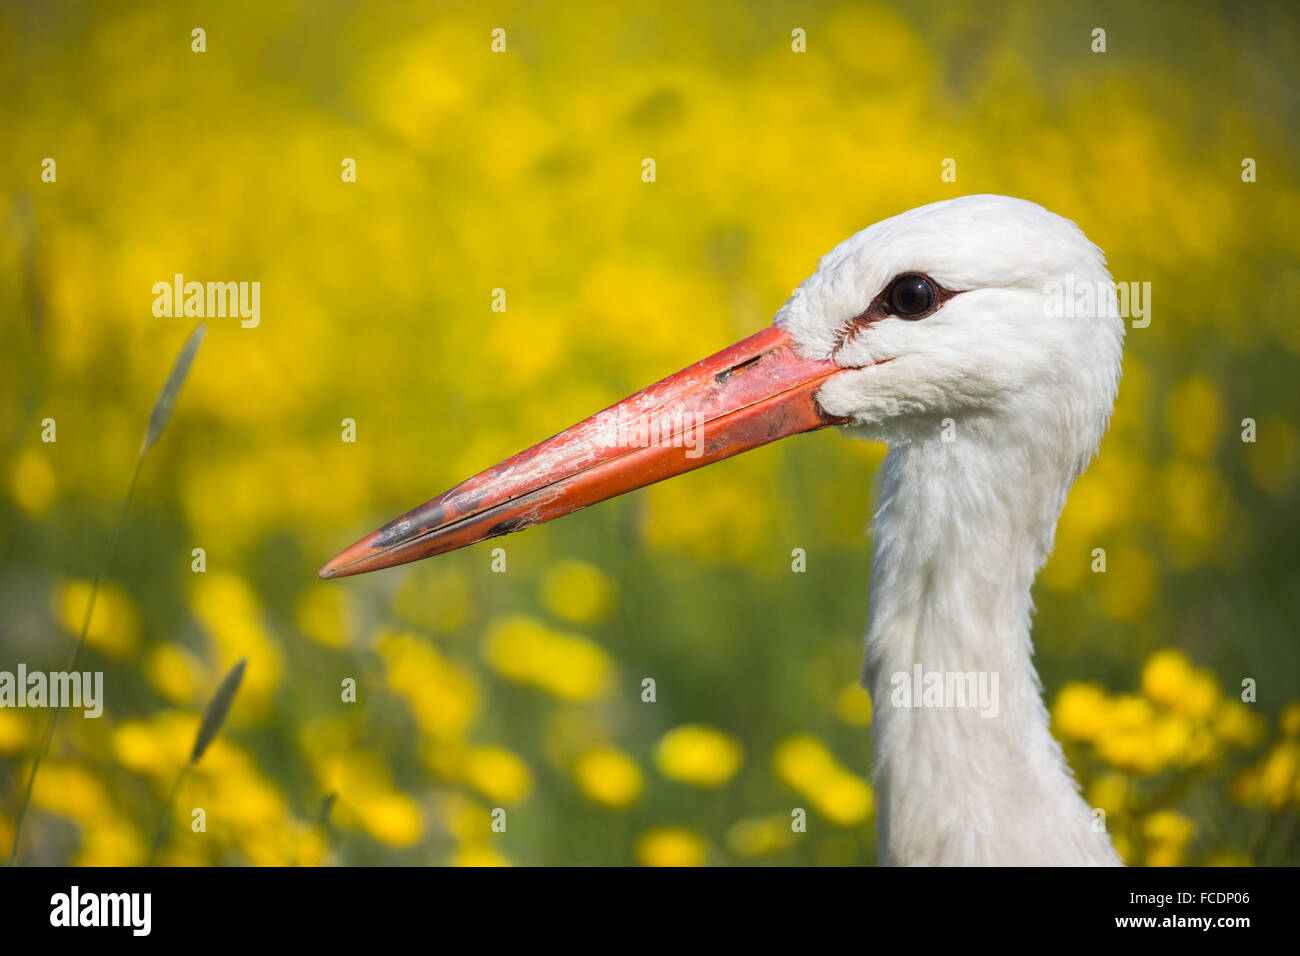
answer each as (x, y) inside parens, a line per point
(522, 170)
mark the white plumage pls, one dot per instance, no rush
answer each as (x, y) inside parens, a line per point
(991, 407)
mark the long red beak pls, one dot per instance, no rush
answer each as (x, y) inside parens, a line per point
(752, 393)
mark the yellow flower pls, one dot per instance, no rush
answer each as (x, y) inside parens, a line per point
(33, 483)
(324, 615)
(1081, 711)
(608, 776)
(71, 791)
(805, 765)
(577, 591)
(477, 855)
(465, 819)
(174, 672)
(698, 755)
(853, 705)
(1167, 833)
(232, 612)
(671, 846)
(1238, 725)
(1168, 826)
(1278, 774)
(112, 842)
(392, 818)
(157, 747)
(443, 697)
(1109, 792)
(114, 626)
(498, 774)
(565, 665)
(1289, 722)
(13, 732)
(1166, 676)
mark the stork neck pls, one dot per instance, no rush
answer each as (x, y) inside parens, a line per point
(966, 767)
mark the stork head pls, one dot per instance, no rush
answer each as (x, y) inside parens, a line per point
(957, 310)
(948, 310)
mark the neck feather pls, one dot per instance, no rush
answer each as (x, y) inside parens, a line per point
(967, 769)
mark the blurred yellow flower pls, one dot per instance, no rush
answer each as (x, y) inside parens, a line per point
(114, 626)
(671, 846)
(291, 843)
(714, 520)
(1109, 792)
(1082, 710)
(524, 650)
(33, 482)
(699, 755)
(804, 764)
(229, 607)
(367, 799)
(13, 731)
(1168, 678)
(465, 819)
(1277, 778)
(444, 698)
(1289, 722)
(608, 776)
(157, 747)
(1238, 725)
(577, 591)
(1167, 833)
(852, 705)
(112, 841)
(1133, 739)
(391, 818)
(476, 854)
(174, 672)
(324, 614)
(70, 790)
(498, 774)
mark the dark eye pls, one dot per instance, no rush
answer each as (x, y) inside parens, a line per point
(910, 296)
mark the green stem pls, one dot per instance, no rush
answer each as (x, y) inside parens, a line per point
(166, 813)
(76, 653)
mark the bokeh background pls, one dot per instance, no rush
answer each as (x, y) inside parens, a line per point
(522, 171)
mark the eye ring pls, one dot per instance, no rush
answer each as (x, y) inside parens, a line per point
(911, 296)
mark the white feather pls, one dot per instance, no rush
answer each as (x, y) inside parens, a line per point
(963, 526)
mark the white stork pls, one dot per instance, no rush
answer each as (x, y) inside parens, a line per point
(935, 332)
